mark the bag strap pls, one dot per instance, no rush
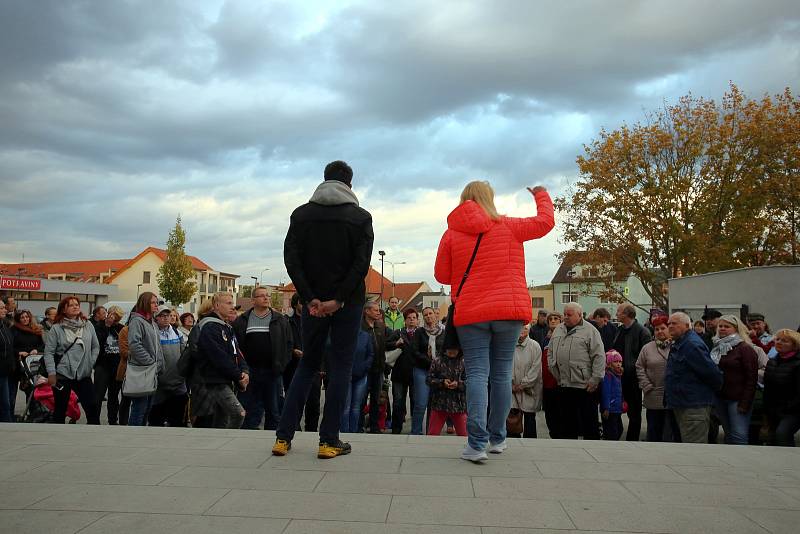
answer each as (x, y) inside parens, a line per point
(469, 266)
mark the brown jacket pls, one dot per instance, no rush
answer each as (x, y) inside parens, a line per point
(123, 354)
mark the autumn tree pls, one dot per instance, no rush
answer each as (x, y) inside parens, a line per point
(695, 187)
(176, 276)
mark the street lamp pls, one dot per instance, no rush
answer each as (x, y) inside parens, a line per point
(570, 275)
(393, 263)
(381, 253)
(261, 276)
(255, 284)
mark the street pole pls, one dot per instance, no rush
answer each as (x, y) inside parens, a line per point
(261, 276)
(381, 253)
(570, 274)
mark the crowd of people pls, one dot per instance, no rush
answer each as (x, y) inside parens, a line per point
(262, 368)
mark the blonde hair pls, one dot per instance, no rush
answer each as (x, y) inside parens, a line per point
(741, 329)
(116, 310)
(482, 194)
(219, 296)
(205, 307)
(793, 336)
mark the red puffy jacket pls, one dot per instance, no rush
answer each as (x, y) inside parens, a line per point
(496, 288)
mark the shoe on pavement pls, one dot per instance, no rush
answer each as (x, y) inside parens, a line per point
(281, 447)
(333, 449)
(498, 448)
(472, 455)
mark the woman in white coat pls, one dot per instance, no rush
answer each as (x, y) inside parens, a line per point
(526, 382)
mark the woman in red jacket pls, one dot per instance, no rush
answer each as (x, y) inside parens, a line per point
(493, 305)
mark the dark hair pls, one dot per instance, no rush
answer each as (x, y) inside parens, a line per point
(629, 310)
(295, 300)
(409, 311)
(48, 309)
(340, 171)
(5, 298)
(184, 316)
(602, 312)
(143, 304)
(62, 307)
(97, 309)
(253, 294)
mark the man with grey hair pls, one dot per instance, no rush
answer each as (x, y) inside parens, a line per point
(383, 339)
(577, 361)
(690, 380)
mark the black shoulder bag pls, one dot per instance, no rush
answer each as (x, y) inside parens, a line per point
(451, 340)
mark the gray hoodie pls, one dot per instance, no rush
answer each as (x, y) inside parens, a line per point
(78, 362)
(333, 193)
(144, 346)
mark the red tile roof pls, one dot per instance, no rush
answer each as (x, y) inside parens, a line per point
(405, 291)
(162, 254)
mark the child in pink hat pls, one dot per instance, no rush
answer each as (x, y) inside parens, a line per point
(611, 397)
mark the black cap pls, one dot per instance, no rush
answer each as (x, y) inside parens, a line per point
(755, 317)
(711, 313)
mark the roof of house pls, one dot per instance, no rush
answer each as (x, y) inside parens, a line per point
(84, 270)
(571, 259)
(162, 255)
(404, 291)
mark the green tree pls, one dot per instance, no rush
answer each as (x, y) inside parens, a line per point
(176, 276)
(698, 187)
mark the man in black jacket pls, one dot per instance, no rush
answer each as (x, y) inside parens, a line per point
(630, 339)
(220, 365)
(327, 253)
(383, 339)
(265, 337)
(312, 403)
(540, 329)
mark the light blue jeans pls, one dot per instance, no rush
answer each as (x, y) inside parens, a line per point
(421, 393)
(735, 424)
(489, 362)
(356, 394)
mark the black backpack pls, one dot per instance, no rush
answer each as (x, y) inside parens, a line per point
(189, 357)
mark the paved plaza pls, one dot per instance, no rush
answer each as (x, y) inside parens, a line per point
(76, 478)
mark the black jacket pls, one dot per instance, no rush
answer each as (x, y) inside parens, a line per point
(219, 358)
(383, 339)
(636, 338)
(8, 359)
(538, 333)
(103, 332)
(421, 340)
(328, 249)
(782, 386)
(296, 323)
(27, 341)
(403, 370)
(280, 333)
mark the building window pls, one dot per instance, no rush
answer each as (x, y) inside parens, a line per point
(537, 302)
(566, 298)
(146, 277)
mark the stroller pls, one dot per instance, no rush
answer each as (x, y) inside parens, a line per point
(41, 403)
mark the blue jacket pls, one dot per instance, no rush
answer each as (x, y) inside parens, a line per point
(611, 393)
(691, 377)
(363, 355)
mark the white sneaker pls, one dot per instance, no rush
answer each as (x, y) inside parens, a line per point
(498, 448)
(473, 456)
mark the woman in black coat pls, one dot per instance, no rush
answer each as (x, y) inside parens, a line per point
(28, 341)
(403, 371)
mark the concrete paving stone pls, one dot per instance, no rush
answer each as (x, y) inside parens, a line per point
(793, 492)
(244, 478)
(478, 512)
(16, 495)
(510, 530)
(659, 518)
(604, 471)
(297, 505)
(58, 452)
(436, 440)
(551, 489)
(407, 450)
(495, 466)
(576, 443)
(247, 444)
(299, 526)
(555, 454)
(161, 442)
(213, 458)
(640, 456)
(184, 524)
(727, 475)
(28, 522)
(392, 484)
(103, 473)
(776, 459)
(17, 470)
(127, 498)
(306, 460)
(711, 495)
(365, 437)
(775, 521)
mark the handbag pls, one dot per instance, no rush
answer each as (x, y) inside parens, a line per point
(514, 421)
(140, 380)
(451, 340)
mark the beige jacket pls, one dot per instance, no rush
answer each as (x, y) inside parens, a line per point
(528, 374)
(576, 358)
(650, 368)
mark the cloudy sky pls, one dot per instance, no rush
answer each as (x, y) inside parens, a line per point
(116, 116)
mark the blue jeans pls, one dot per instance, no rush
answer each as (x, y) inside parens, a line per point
(421, 394)
(488, 359)
(140, 410)
(262, 399)
(5, 401)
(352, 407)
(735, 424)
(342, 327)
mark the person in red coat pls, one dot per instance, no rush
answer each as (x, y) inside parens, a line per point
(493, 304)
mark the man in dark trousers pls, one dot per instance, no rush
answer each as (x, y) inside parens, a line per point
(630, 339)
(327, 253)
